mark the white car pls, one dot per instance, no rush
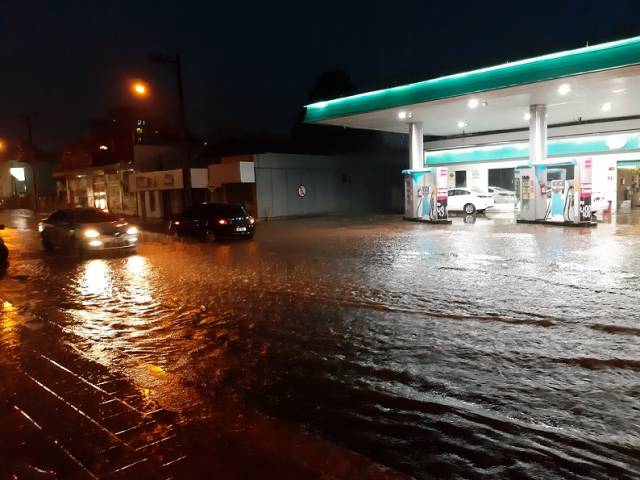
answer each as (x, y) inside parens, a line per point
(502, 195)
(598, 203)
(468, 200)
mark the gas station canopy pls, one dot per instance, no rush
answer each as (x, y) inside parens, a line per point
(594, 83)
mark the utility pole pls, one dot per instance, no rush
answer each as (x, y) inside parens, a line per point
(30, 157)
(182, 121)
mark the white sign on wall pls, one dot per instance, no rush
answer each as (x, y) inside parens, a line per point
(231, 172)
(199, 177)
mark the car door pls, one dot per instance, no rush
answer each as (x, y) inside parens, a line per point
(190, 221)
(453, 202)
(52, 227)
(465, 197)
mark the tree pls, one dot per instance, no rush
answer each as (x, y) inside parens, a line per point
(326, 139)
(332, 84)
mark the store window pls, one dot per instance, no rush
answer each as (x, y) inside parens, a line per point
(99, 192)
(502, 177)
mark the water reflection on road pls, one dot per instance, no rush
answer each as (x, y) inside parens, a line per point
(481, 349)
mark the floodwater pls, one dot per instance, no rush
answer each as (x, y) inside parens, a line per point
(476, 350)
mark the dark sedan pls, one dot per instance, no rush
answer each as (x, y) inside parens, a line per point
(85, 229)
(214, 221)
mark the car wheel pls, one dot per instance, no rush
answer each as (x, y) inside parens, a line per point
(210, 236)
(175, 234)
(469, 209)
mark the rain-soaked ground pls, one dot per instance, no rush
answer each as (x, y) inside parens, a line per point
(476, 350)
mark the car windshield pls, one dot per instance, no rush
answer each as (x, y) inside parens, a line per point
(91, 216)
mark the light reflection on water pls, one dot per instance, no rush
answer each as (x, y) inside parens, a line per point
(9, 324)
(96, 278)
(112, 299)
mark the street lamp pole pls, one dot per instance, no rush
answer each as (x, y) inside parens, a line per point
(186, 167)
(29, 154)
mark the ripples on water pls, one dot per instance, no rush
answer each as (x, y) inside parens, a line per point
(457, 352)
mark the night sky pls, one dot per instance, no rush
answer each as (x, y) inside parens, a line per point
(250, 63)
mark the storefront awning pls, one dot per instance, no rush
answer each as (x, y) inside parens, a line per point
(587, 84)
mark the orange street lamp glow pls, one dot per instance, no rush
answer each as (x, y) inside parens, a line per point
(139, 89)
(2, 146)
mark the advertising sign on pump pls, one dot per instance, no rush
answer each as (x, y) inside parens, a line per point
(585, 189)
(442, 195)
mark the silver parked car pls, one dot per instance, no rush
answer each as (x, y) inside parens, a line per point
(86, 229)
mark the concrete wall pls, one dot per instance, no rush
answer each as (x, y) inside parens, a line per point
(150, 204)
(328, 182)
(231, 172)
(6, 186)
(156, 157)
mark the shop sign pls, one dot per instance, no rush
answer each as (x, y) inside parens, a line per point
(158, 180)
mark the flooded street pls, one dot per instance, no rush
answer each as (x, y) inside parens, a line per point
(483, 350)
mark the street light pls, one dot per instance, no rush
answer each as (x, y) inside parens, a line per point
(140, 89)
(3, 145)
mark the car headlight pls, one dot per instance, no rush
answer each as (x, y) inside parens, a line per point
(91, 233)
(132, 230)
(40, 227)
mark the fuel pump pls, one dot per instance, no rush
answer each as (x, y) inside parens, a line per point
(531, 191)
(559, 201)
(583, 190)
(426, 195)
(558, 195)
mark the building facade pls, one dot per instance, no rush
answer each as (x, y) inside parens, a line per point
(279, 185)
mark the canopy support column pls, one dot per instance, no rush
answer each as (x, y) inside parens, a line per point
(416, 146)
(537, 155)
(537, 134)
